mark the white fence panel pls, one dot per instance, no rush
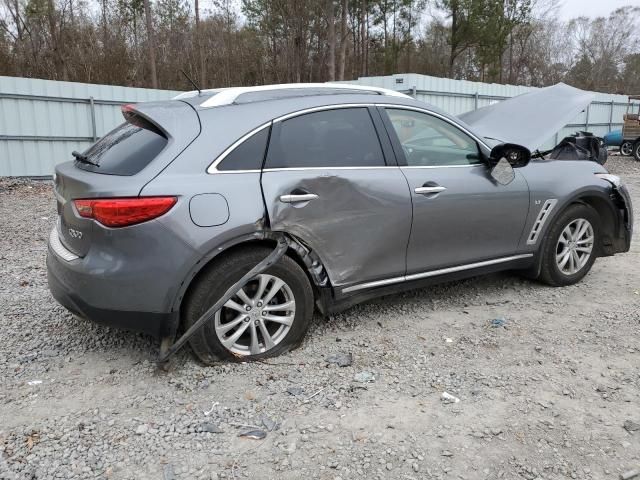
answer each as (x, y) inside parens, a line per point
(42, 121)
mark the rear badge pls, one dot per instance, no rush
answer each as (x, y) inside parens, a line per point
(75, 233)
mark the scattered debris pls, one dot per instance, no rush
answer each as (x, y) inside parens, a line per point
(448, 340)
(213, 407)
(628, 475)
(340, 359)
(364, 377)
(448, 398)
(269, 424)
(168, 472)
(498, 322)
(142, 429)
(631, 426)
(209, 427)
(34, 382)
(295, 391)
(254, 434)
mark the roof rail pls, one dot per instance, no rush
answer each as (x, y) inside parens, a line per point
(227, 96)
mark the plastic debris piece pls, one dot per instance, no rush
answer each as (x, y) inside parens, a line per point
(448, 398)
(498, 322)
(340, 359)
(254, 434)
(364, 377)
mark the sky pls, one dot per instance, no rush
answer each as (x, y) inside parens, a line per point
(591, 8)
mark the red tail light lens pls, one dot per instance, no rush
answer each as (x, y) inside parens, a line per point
(122, 212)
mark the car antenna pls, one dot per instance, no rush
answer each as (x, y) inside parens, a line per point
(191, 81)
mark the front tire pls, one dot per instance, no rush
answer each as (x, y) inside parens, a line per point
(636, 150)
(267, 317)
(571, 246)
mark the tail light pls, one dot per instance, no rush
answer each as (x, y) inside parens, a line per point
(122, 212)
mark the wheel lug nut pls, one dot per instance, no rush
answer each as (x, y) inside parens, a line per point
(259, 304)
(247, 308)
(264, 313)
(247, 319)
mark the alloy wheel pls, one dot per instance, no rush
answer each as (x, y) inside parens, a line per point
(626, 149)
(258, 317)
(575, 246)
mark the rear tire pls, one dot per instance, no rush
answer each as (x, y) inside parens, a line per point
(626, 148)
(260, 333)
(564, 254)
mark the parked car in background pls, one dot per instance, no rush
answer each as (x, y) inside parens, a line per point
(375, 191)
(631, 129)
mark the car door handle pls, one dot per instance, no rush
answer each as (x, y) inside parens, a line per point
(296, 198)
(429, 190)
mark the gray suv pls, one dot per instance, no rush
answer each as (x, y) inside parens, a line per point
(375, 193)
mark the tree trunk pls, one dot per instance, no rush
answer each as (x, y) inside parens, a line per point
(366, 41)
(363, 39)
(331, 37)
(200, 52)
(454, 29)
(151, 44)
(344, 34)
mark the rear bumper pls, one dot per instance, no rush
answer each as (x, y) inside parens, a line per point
(99, 297)
(151, 323)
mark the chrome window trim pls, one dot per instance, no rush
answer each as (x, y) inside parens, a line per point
(471, 165)
(289, 169)
(212, 169)
(434, 273)
(321, 108)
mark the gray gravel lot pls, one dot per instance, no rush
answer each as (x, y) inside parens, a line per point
(551, 392)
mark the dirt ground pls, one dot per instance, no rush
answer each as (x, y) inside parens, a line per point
(551, 390)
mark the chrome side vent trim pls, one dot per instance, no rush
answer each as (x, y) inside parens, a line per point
(543, 215)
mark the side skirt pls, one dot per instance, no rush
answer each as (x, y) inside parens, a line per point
(334, 303)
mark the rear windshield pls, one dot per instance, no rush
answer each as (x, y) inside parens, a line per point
(125, 150)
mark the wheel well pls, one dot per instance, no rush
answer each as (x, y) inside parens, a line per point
(607, 218)
(293, 253)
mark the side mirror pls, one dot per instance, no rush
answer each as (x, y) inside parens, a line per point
(504, 158)
(517, 155)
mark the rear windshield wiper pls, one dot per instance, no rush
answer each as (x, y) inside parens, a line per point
(83, 159)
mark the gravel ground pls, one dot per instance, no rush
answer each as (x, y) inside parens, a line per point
(550, 390)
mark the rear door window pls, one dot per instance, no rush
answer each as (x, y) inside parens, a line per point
(249, 155)
(344, 137)
(126, 150)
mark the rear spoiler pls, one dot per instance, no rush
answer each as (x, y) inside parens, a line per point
(168, 118)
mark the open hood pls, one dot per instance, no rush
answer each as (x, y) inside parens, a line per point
(532, 118)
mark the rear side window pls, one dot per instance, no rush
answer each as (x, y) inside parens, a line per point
(343, 137)
(249, 155)
(125, 150)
